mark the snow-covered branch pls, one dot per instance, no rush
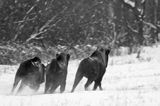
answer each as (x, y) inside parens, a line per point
(129, 2)
(45, 27)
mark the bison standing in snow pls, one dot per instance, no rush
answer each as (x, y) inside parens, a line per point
(30, 73)
(92, 68)
(56, 73)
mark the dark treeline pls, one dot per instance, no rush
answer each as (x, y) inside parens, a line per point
(73, 23)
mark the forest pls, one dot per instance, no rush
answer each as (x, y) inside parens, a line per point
(44, 27)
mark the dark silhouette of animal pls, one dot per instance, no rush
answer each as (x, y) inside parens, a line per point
(93, 68)
(30, 73)
(56, 73)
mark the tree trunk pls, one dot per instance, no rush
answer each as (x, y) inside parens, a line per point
(140, 32)
(155, 36)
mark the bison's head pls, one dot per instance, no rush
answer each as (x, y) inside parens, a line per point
(105, 52)
(36, 61)
(63, 60)
(102, 54)
(41, 68)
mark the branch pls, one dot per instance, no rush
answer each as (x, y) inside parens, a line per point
(132, 7)
(132, 29)
(22, 21)
(151, 25)
(45, 27)
(51, 20)
(34, 36)
(128, 4)
(19, 28)
(131, 3)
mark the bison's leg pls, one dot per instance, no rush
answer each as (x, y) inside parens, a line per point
(16, 81)
(100, 86)
(98, 83)
(53, 88)
(95, 85)
(22, 85)
(78, 78)
(89, 81)
(63, 85)
(47, 86)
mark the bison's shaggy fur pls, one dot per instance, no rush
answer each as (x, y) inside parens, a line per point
(93, 68)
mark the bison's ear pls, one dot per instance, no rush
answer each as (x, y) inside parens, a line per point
(68, 57)
(36, 59)
(57, 55)
(94, 54)
(108, 51)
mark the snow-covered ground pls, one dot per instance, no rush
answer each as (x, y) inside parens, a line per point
(127, 82)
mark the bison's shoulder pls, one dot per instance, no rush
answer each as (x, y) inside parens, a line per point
(26, 68)
(53, 67)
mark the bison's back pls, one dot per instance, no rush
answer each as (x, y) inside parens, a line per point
(26, 68)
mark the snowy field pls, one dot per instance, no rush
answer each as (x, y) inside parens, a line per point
(127, 82)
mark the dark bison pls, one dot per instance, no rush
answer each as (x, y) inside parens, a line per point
(92, 68)
(56, 73)
(30, 73)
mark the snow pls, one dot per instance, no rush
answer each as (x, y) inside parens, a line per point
(127, 82)
(91, 98)
(130, 2)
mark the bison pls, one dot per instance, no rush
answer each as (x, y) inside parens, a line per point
(56, 73)
(30, 73)
(93, 68)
